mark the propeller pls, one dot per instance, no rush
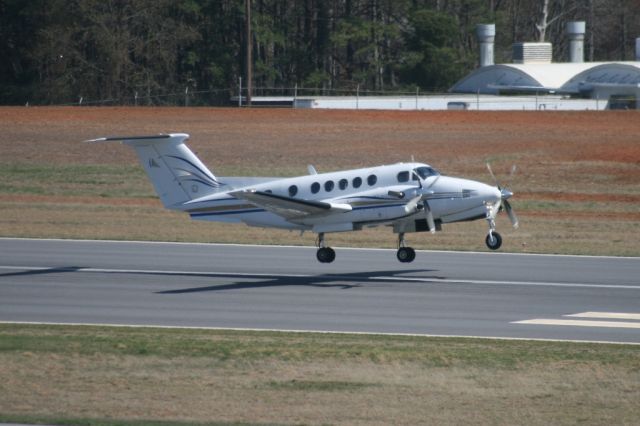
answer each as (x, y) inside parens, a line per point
(429, 216)
(505, 194)
(418, 201)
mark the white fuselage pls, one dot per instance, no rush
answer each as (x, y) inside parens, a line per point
(377, 196)
(410, 197)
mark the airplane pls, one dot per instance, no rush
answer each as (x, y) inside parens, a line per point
(408, 197)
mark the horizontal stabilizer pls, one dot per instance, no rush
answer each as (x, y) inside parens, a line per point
(131, 138)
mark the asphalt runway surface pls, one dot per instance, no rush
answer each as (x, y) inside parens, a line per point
(285, 288)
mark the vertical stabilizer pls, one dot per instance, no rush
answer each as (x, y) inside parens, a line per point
(177, 174)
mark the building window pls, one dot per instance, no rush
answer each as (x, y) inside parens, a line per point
(372, 179)
(315, 187)
(329, 185)
(293, 190)
(343, 184)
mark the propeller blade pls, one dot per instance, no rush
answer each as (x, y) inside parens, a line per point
(512, 215)
(492, 175)
(429, 215)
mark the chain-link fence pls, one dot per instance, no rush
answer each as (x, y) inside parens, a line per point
(357, 98)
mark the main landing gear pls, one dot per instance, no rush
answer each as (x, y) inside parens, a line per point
(327, 254)
(324, 254)
(405, 254)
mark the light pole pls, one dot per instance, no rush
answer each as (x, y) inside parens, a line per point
(247, 4)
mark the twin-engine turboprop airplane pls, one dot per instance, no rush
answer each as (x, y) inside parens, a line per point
(410, 197)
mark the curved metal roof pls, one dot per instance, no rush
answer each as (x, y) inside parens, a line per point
(561, 77)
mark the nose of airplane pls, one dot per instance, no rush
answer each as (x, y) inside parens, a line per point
(490, 194)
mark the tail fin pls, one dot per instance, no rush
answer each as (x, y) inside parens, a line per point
(177, 174)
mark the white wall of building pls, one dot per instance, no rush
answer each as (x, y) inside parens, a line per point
(468, 102)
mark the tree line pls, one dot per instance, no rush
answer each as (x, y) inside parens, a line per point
(137, 51)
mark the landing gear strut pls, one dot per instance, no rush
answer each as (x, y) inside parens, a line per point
(324, 254)
(493, 240)
(405, 254)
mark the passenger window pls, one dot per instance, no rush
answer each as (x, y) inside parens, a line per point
(372, 179)
(315, 187)
(357, 182)
(328, 185)
(293, 190)
(403, 177)
(343, 184)
(268, 191)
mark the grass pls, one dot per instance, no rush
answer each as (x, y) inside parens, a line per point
(74, 180)
(104, 376)
(35, 420)
(116, 201)
(585, 232)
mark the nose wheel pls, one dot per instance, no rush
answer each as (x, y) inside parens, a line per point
(493, 240)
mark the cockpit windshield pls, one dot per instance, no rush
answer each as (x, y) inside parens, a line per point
(424, 172)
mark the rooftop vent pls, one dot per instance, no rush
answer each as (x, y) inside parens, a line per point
(575, 31)
(486, 34)
(532, 53)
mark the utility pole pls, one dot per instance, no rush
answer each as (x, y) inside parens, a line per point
(247, 4)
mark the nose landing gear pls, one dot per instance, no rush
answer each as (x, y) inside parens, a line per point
(493, 240)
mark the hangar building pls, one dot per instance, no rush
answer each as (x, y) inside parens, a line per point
(532, 72)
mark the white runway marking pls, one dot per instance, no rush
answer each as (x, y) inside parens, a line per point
(337, 277)
(590, 323)
(580, 323)
(148, 271)
(610, 315)
(511, 283)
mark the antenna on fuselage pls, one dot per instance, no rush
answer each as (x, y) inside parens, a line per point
(312, 170)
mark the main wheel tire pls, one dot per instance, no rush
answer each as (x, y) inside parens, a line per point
(406, 254)
(326, 255)
(493, 241)
(413, 255)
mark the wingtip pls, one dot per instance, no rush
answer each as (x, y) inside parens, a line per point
(95, 140)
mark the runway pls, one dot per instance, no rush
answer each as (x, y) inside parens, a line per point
(285, 288)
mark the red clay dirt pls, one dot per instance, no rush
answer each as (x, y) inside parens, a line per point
(557, 152)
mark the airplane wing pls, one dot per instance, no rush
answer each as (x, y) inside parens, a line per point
(290, 208)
